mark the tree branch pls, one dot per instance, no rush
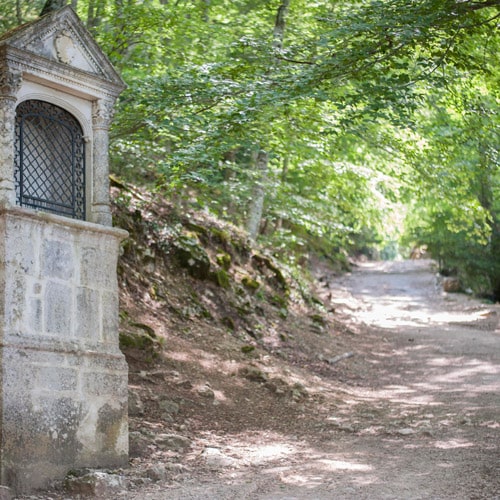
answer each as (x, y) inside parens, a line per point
(281, 58)
(478, 5)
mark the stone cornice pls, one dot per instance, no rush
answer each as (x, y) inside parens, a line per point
(57, 74)
(25, 213)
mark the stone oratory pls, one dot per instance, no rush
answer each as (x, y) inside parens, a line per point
(63, 379)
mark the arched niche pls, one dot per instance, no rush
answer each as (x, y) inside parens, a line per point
(49, 160)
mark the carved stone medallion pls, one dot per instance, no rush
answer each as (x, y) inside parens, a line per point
(65, 47)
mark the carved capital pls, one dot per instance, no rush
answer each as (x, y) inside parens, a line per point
(10, 82)
(102, 113)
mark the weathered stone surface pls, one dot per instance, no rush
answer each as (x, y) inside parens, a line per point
(89, 314)
(6, 493)
(216, 459)
(66, 408)
(110, 321)
(192, 256)
(206, 392)
(64, 380)
(451, 285)
(96, 484)
(170, 407)
(156, 473)
(135, 404)
(172, 441)
(138, 445)
(57, 260)
(58, 309)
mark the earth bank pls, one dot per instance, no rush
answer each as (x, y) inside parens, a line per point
(246, 384)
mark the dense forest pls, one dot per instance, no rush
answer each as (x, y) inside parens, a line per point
(336, 128)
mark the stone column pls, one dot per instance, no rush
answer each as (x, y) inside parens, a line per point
(102, 114)
(10, 82)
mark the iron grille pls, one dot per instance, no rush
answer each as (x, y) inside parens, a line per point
(49, 160)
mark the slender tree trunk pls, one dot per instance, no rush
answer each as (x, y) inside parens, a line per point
(19, 15)
(229, 174)
(284, 174)
(206, 10)
(256, 209)
(94, 13)
(261, 160)
(279, 25)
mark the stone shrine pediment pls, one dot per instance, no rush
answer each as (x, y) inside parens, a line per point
(61, 38)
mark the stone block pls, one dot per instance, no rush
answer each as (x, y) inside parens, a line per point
(110, 320)
(88, 314)
(35, 312)
(58, 309)
(58, 260)
(15, 297)
(98, 268)
(105, 385)
(21, 251)
(39, 439)
(21, 254)
(96, 485)
(64, 389)
(55, 378)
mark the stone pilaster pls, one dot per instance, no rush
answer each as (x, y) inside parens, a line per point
(10, 82)
(102, 114)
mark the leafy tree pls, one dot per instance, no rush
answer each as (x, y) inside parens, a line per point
(344, 114)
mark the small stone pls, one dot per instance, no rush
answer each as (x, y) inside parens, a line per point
(451, 284)
(298, 391)
(172, 441)
(95, 484)
(138, 445)
(405, 432)
(156, 473)
(253, 373)
(175, 467)
(215, 458)
(135, 404)
(206, 392)
(169, 406)
(185, 384)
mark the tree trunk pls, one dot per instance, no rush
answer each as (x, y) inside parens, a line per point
(284, 174)
(229, 174)
(94, 13)
(19, 15)
(256, 209)
(262, 157)
(279, 25)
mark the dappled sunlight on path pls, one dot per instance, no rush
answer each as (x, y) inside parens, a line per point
(382, 299)
(415, 417)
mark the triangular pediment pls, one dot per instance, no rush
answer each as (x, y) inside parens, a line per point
(61, 37)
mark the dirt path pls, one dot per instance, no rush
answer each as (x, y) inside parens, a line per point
(413, 414)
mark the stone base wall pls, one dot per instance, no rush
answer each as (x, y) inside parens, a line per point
(63, 386)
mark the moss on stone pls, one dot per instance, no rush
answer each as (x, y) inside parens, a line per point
(250, 283)
(221, 278)
(224, 260)
(192, 256)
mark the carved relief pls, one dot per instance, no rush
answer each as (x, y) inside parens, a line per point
(10, 82)
(102, 113)
(65, 47)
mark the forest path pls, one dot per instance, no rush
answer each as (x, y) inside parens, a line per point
(417, 417)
